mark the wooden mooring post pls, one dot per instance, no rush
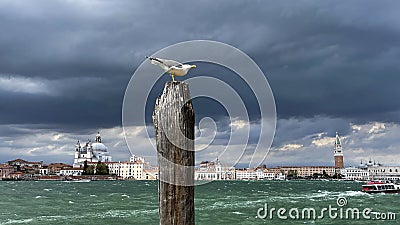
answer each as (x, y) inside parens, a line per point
(173, 120)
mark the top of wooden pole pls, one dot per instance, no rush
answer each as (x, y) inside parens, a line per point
(171, 108)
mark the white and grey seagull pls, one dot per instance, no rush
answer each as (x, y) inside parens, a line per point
(172, 67)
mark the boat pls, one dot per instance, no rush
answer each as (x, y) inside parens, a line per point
(380, 187)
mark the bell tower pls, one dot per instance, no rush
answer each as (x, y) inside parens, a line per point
(78, 149)
(338, 153)
(98, 138)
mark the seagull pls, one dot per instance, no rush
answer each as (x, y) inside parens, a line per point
(172, 67)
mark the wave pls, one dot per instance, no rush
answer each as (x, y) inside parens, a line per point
(355, 193)
(231, 205)
(17, 221)
(40, 196)
(128, 213)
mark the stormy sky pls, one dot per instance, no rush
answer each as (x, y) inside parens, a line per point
(332, 66)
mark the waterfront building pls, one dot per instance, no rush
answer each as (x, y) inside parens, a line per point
(380, 172)
(246, 174)
(132, 169)
(338, 154)
(71, 172)
(209, 170)
(258, 174)
(356, 173)
(25, 167)
(263, 174)
(5, 171)
(16, 175)
(303, 171)
(151, 173)
(55, 168)
(274, 176)
(91, 152)
(44, 170)
(371, 171)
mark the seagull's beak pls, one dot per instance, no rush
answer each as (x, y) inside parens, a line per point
(193, 66)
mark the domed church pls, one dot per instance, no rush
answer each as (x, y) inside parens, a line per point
(91, 152)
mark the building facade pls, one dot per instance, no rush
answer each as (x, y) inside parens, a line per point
(150, 173)
(372, 171)
(303, 171)
(5, 171)
(132, 169)
(381, 172)
(246, 174)
(209, 170)
(354, 173)
(71, 172)
(25, 167)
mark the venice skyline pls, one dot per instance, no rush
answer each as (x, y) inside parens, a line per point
(332, 67)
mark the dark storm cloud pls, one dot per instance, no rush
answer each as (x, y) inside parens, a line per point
(321, 58)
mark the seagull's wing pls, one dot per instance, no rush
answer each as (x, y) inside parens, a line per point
(170, 63)
(164, 63)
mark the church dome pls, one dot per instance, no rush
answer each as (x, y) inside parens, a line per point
(99, 147)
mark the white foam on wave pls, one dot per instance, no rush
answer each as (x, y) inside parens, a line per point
(237, 213)
(127, 213)
(17, 221)
(52, 218)
(236, 204)
(71, 202)
(354, 193)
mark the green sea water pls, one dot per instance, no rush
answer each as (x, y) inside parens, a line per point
(222, 202)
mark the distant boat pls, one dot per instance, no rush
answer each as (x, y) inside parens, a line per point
(380, 187)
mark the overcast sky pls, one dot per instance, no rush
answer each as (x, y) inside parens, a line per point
(332, 66)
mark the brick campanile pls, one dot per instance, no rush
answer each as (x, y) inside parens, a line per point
(338, 153)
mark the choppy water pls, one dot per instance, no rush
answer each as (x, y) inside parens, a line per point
(136, 202)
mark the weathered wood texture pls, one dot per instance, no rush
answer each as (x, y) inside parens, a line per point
(174, 128)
